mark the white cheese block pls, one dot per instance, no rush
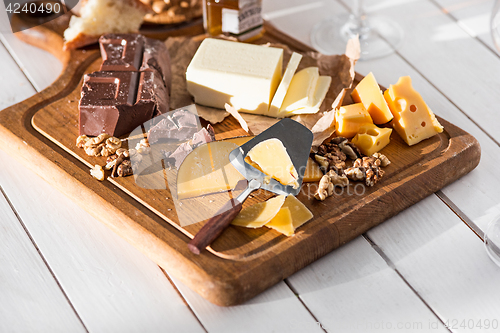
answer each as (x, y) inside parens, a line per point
(322, 87)
(280, 94)
(301, 90)
(245, 76)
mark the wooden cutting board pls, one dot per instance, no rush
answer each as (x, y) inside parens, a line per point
(41, 132)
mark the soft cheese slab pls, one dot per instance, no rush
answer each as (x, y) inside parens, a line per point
(413, 119)
(245, 76)
(280, 94)
(272, 158)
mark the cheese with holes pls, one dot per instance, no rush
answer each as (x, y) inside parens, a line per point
(272, 158)
(282, 222)
(257, 215)
(280, 94)
(207, 169)
(413, 119)
(243, 75)
(322, 87)
(313, 172)
(350, 118)
(371, 139)
(301, 91)
(369, 94)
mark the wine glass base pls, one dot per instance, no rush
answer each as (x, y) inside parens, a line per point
(492, 241)
(380, 37)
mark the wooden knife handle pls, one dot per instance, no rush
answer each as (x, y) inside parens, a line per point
(215, 226)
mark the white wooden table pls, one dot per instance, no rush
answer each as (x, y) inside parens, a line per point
(61, 270)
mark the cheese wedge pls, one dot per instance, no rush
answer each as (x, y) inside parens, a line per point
(259, 214)
(280, 94)
(243, 75)
(282, 222)
(207, 169)
(369, 94)
(271, 157)
(301, 91)
(371, 139)
(413, 119)
(350, 118)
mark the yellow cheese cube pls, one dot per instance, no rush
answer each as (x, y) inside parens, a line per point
(350, 118)
(371, 139)
(243, 75)
(413, 119)
(369, 94)
(313, 172)
(273, 160)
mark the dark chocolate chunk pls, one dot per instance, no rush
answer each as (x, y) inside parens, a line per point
(121, 52)
(156, 57)
(115, 102)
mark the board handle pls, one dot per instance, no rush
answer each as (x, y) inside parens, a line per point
(222, 219)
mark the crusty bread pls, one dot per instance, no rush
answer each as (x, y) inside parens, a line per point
(103, 16)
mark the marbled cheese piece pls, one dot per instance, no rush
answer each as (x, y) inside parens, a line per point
(272, 158)
(413, 119)
(243, 75)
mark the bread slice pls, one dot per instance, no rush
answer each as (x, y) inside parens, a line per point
(103, 16)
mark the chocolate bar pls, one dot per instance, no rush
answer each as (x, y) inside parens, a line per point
(116, 102)
(132, 87)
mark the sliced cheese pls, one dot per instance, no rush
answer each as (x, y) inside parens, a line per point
(282, 222)
(313, 172)
(243, 75)
(271, 157)
(371, 139)
(301, 91)
(207, 169)
(413, 119)
(322, 87)
(300, 213)
(350, 118)
(280, 94)
(369, 94)
(259, 214)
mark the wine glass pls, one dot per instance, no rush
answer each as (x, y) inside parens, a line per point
(378, 36)
(492, 233)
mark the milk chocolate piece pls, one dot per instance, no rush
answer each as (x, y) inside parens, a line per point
(116, 102)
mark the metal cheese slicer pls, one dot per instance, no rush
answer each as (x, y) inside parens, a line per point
(297, 140)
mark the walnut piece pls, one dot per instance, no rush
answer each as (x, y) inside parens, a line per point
(333, 155)
(101, 145)
(97, 172)
(125, 169)
(81, 141)
(327, 184)
(368, 169)
(143, 147)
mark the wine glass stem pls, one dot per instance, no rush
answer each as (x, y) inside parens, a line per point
(357, 24)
